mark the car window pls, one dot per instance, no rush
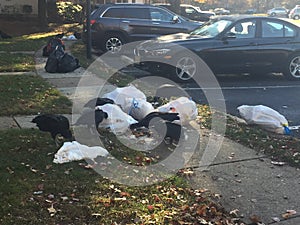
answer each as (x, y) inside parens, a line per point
(212, 29)
(276, 29)
(245, 29)
(113, 13)
(136, 13)
(157, 14)
(189, 10)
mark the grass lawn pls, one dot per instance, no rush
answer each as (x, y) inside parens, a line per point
(282, 148)
(30, 95)
(16, 62)
(33, 190)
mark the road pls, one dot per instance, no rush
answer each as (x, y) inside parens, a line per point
(270, 90)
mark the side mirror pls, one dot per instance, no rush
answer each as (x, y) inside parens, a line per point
(175, 19)
(229, 35)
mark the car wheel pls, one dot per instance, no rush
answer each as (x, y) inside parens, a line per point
(113, 43)
(296, 17)
(273, 14)
(186, 68)
(292, 72)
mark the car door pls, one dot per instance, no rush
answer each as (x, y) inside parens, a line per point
(275, 44)
(162, 22)
(235, 50)
(135, 22)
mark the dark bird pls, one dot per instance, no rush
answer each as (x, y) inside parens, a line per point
(165, 116)
(77, 35)
(98, 102)
(4, 35)
(60, 36)
(173, 132)
(55, 124)
(92, 118)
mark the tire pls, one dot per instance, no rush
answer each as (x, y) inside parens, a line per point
(186, 68)
(113, 43)
(296, 17)
(273, 14)
(292, 70)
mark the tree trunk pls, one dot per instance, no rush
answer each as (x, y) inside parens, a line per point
(175, 6)
(42, 14)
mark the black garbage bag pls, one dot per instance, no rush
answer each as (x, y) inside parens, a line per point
(61, 62)
(51, 46)
(67, 63)
(53, 59)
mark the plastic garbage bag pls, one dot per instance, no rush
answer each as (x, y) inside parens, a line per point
(265, 117)
(186, 108)
(119, 95)
(137, 108)
(73, 151)
(117, 120)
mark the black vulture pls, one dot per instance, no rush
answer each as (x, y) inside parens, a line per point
(173, 132)
(87, 118)
(165, 116)
(55, 124)
(98, 102)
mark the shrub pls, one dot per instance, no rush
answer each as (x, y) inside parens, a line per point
(69, 11)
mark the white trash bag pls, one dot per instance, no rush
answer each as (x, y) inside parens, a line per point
(117, 120)
(119, 95)
(137, 108)
(185, 107)
(73, 151)
(267, 118)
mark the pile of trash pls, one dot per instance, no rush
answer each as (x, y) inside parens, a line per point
(126, 113)
(58, 60)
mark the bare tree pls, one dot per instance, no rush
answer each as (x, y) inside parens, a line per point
(175, 5)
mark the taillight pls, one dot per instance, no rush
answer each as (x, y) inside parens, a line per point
(93, 21)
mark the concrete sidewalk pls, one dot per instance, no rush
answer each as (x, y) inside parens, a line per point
(249, 183)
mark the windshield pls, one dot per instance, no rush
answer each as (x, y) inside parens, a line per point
(212, 29)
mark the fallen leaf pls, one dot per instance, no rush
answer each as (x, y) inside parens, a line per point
(276, 219)
(10, 171)
(255, 219)
(52, 210)
(288, 213)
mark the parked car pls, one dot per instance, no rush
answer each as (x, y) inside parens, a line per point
(295, 13)
(222, 11)
(278, 11)
(228, 44)
(191, 12)
(250, 11)
(113, 25)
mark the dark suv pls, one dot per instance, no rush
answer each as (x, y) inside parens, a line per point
(113, 25)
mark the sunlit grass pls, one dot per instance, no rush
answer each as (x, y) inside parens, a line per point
(16, 62)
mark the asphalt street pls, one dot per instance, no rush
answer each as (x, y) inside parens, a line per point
(270, 90)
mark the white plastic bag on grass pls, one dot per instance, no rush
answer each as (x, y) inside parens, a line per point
(265, 117)
(186, 108)
(73, 151)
